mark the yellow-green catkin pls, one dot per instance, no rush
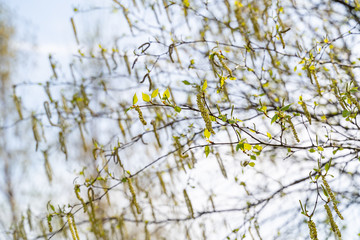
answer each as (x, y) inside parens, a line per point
(306, 111)
(334, 227)
(121, 126)
(61, 223)
(332, 197)
(103, 50)
(142, 120)
(147, 234)
(312, 229)
(161, 180)
(204, 112)
(75, 228)
(28, 213)
(188, 203)
(337, 211)
(49, 218)
(221, 165)
(179, 148)
(152, 209)
(72, 227)
(74, 29)
(133, 195)
(21, 229)
(317, 83)
(155, 132)
(34, 123)
(220, 57)
(17, 102)
(43, 230)
(328, 189)
(77, 193)
(91, 196)
(257, 229)
(293, 129)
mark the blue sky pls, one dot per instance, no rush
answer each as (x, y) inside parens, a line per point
(42, 27)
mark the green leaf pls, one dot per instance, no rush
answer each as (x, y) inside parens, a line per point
(51, 206)
(285, 108)
(312, 150)
(274, 118)
(207, 134)
(327, 167)
(204, 86)
(324, 191)
(253, 157)
(166, 94)
(155, 93)
(346, 113)
(247, 146)
(251, 164)
(135, 99)
(207, 151)
(186, 82)
(268, 135)
(145, 97)
(177, 109)
(239, 146)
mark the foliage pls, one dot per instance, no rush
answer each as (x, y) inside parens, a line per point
(206, 119)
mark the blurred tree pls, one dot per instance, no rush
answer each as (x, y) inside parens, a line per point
(7, 57)
(214, 119)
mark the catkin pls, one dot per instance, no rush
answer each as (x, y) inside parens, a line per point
(179, 148)
(293, 129)
(332, 197)
(312, 229)
(337, 211)
(133, 195)
(34, 123)
(155, 132)
(49, 218)
(121, 126)
(188, 203)
(75, 228)
(220, 57)
(77, 190)
(162, 183)
(328, 189)
(334, 227)
(221, 165)
(142, 120)
(71, 227)
(317, 83)
(306, 111)
(74, 29)
(147, 234)
(204, 112)
(17, 102)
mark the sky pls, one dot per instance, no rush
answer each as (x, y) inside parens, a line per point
(42, 27)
